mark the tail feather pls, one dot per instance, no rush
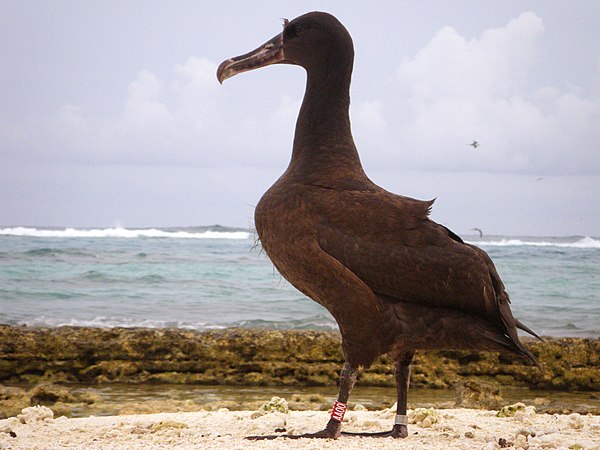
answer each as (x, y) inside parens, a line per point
(525, 328)
(511, 324)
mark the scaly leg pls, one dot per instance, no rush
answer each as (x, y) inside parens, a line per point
(334, 426)
(402, 369)
(402, 374)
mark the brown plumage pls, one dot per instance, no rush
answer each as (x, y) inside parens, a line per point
(394, 280)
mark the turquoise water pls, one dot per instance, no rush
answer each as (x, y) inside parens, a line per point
(206, 278)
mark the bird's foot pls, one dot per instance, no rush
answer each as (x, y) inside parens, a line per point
(398, 431)
(331, 431)
(323, 434)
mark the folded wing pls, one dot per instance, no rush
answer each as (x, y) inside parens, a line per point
(389, 242)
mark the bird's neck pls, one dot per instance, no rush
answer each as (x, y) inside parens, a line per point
(323, 141)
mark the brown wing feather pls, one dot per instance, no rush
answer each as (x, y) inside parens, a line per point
(389, 242)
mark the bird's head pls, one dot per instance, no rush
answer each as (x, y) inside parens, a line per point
(315, 41)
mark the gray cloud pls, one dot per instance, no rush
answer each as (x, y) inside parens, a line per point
(460, 89)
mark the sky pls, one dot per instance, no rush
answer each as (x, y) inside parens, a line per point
(111, 113)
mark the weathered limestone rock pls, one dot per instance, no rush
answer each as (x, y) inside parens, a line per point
(267, 357)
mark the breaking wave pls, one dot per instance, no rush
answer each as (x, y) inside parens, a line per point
(579, 242)
(318, 322)
(119, 232)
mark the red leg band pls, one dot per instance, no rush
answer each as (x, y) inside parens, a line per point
(339, 409)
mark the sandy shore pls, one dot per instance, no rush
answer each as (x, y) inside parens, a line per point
(36, 428)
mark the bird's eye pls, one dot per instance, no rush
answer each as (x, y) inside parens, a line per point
(292, 31)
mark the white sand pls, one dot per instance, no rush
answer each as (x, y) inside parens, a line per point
(435, 429)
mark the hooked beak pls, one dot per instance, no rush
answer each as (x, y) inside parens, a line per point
(269, 53)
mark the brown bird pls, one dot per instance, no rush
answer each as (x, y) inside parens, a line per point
(394, 280)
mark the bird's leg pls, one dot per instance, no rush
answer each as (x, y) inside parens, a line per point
(402, 374)
(334, 426)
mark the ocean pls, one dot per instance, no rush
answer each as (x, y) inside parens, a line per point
(216, 277)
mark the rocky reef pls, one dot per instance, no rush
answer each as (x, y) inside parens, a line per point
(267, 357)
(249, 357)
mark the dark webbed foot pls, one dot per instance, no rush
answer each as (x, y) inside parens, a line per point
(331, 431)
(323, 434)
(398, 431)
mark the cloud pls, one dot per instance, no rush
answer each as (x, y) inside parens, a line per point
(158, 122)
(457, 89)
(183, 120)
(194, 91)
(453, 90)
(369, 117)
(489, 66)
(144, 108)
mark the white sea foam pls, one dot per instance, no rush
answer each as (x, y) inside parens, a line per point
(110, 322)
(121, 233)
(315, 322)
(585, 242)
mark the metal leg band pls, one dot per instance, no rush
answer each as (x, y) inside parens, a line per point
(401, 419)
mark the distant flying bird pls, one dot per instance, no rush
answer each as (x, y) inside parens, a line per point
(394, 280)
(474, 144)
(479, 231)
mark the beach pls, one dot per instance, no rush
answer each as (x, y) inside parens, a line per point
(52, 379)
(36, 428)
